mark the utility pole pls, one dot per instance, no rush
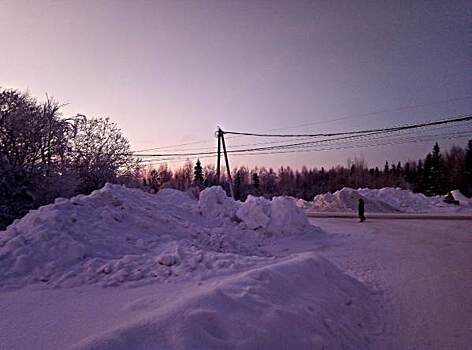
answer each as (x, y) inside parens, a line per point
(219, 134)
(221, 142)
(227, 163)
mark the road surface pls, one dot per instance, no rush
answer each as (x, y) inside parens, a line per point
(401, 216)
(422, 272)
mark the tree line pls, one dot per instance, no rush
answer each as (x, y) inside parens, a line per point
(436, 174)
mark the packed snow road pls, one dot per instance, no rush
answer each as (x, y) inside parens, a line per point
(392, 216)
(422, 270)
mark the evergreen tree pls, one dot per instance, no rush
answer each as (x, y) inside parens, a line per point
(154, 181)
(427, 179)
(237, 186)
(419, 183)
(454, 170)
(437, 168)
(377, 172)
(399, 169)
(255, 182)
(198, 173)
(467, 184)
(407, 171)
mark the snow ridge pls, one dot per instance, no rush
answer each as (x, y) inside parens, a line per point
(386, 200)
(117, 235)
(256, 309)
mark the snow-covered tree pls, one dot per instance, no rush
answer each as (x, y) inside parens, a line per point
(99, 151)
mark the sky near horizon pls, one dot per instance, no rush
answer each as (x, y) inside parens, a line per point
(169, 72)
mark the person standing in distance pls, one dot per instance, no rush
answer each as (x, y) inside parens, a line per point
(360, 209)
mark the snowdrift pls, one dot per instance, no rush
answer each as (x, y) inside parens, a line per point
(221, 291)
(386, 200)
(347, 199)
(256, 309)
(117, 235)
(463, 200)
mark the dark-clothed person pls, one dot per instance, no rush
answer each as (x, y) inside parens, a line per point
(361, 210)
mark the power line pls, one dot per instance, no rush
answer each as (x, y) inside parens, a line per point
(397, 109)
(370, 143)
(356, 141)
(344, 135)
(369, 114)
(411, 126)
(174, 146)
(283, 142)
(427, 138)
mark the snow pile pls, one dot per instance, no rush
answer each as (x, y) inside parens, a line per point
(214, 203)
(386, 200)
(301, 203)
(401, 200)
(463, 200)
(277, 217)
(256, 309)
(347, 199)
(118, 235)
(407, 201)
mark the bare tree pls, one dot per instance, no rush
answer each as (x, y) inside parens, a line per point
(98, 152)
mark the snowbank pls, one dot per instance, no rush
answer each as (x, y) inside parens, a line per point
(118, 235)
(280, 216)
(386, 200)
(347, 199)
(302, 302)
(222, 290)
(301, 203)
(214, 203)
(463, 200)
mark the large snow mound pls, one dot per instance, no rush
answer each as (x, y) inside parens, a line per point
(347, 199)
(117, 235)
(278, 216)
(386, 200)
(214, 203)
(256, 309)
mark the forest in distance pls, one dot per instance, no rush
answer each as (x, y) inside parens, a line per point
(44, 155)
(438, 173)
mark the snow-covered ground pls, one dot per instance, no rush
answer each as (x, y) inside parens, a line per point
(385, 200)
(123, 269)
(422, 271)
(301, 302)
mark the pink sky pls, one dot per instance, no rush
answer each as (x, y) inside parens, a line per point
(169, 72)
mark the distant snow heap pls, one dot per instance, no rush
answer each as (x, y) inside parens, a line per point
(386, 200)
(347, 199)
(463, 200)
(117, 234)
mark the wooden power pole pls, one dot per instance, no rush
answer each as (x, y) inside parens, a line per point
(221, 140)
(218, 164)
